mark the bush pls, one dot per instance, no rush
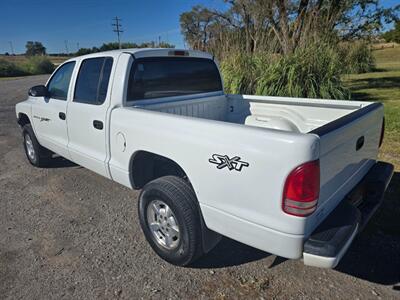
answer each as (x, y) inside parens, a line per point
(38, 65)
(358, 57)
(9, 69)
(312, 72)
(239, 73)
(33, 66)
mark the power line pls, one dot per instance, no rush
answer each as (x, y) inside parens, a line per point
(12, 47)
(117, 28)
(66, 47)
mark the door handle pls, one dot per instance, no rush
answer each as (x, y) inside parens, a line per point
(98, 124)
(61, 115)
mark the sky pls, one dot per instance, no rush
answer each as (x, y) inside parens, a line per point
(87, 23)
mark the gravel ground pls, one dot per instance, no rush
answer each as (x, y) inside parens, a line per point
(69, 233)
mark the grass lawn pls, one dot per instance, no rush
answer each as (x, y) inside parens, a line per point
(383, 85)
(9, 78)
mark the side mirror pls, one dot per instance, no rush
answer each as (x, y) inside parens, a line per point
(38, 91)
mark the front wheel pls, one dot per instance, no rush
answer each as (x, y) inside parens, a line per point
(170, 219)
(36, 154)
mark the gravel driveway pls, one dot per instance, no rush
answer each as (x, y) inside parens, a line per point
(66, 232)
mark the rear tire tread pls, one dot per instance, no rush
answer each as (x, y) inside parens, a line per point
(183, 197)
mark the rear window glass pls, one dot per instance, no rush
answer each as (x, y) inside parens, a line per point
(172, 76)
(92, 83)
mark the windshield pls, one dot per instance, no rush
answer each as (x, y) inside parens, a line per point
(159, 77)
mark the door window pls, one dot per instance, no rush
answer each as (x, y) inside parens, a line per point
(92, 82)
(59, 83)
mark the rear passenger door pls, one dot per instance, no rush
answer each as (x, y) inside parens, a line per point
(86, 114)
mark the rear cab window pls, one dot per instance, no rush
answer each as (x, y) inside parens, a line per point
(159, 77)
(92, 81)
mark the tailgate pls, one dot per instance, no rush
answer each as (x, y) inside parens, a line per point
(348, 149)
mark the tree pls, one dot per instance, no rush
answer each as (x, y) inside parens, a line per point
(252, 25)
(194, 25)
(34, 48)
(393, 35)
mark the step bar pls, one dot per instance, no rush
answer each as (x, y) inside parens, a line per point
(329, 242)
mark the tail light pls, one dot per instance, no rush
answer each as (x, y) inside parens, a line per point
(382, 132)
(301, 191)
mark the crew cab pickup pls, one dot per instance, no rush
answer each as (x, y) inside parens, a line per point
(298, 178)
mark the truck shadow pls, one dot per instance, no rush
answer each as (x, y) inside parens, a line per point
(229, 253)
(61, 162)
(375, 254)
(377, 83)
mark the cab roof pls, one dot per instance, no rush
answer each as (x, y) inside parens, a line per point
(150, 52)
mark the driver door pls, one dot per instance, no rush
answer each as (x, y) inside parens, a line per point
(49, 113)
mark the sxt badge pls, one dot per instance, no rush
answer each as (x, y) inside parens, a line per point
(223, 161)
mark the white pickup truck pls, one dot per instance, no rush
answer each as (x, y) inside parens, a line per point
(298, 178)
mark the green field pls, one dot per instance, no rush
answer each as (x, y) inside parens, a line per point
(56, 60)
(383, 85)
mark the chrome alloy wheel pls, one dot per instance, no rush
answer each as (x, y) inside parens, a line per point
(163, 224)
(29, 147)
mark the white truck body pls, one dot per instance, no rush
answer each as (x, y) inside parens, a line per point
(236, 150)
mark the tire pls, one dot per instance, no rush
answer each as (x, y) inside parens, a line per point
(181, 200)
(37, 155)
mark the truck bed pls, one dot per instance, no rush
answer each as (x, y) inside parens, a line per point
(281, 113)
(349, 132)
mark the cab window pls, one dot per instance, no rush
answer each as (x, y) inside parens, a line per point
(158, 77)
(92, 82)
(59, 82)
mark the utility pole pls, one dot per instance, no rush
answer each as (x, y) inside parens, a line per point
(12, 47)
(159, 41)
(77, 46)
(117, 28)
(66, 47)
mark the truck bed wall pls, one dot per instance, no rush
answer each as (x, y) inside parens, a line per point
(281, 113)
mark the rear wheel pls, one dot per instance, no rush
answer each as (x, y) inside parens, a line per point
(36, 154)
(170, 219)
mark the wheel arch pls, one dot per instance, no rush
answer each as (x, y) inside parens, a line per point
(143, 169)
(23, 119)
(145, 166)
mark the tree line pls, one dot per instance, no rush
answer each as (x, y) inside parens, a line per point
(36, 48)
(295, 48)
(114, 46)
(282, 26)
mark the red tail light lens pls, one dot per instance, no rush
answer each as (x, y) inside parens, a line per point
(382, 132)
(301, 191)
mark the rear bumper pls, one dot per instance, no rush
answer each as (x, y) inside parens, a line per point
(330, 241)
